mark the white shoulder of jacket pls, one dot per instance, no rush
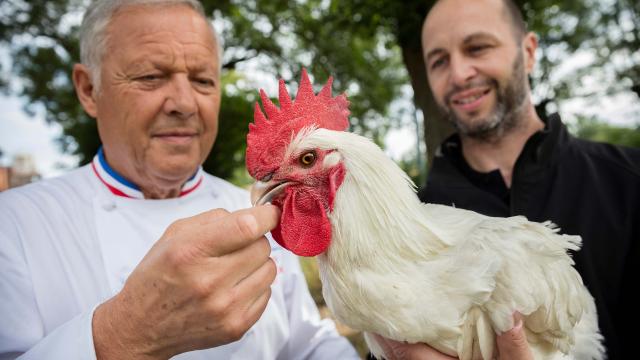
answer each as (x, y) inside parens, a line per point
(76, 183)
(222, 187)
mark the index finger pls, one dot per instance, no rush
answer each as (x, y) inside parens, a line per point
(240, 228)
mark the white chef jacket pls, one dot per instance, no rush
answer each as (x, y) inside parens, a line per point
(67, 244)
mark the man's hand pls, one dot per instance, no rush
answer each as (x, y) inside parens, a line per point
(511, 345)
(204, 283)
(397, 350)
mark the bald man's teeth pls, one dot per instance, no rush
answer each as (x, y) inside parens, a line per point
(468, 99)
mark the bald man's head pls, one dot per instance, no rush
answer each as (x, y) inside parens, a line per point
(510, 11)
(477, 58)
(513, 13)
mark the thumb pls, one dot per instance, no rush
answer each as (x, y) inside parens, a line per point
(387, 347)
(513, 344)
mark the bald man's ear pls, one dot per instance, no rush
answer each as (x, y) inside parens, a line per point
(84, 89)
(530, 45)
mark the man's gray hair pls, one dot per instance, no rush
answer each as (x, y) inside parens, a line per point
(93, 31)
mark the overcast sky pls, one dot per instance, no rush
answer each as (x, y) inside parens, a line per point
(20, 134)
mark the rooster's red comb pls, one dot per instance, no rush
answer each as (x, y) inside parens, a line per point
(272, 130)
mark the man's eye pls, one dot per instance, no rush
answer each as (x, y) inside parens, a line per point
(437, 63)
(204, 82)
(477, 49)
(149, 77)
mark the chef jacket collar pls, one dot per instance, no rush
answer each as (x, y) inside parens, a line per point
(120, 186)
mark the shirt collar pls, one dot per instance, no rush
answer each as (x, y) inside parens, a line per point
(120, 186)
(539, 147)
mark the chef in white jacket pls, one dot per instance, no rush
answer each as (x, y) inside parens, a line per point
(140, 254)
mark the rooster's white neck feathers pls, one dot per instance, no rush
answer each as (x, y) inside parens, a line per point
(369, 204)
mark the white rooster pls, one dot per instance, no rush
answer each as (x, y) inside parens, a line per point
(409, 271)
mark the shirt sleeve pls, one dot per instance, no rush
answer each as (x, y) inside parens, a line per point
(72, 340)
(22, 332)
(311, 336)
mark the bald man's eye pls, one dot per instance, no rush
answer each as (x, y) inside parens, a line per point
(437, 64)
(477, 49)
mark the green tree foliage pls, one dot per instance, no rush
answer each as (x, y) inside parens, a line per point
(287, 35)
(372, 48)
(42, 40)
(593, 129)
(606, 34)
(236, 111)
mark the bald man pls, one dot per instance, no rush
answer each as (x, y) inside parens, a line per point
(506, 160)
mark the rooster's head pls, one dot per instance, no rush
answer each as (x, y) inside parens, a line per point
(294, 175)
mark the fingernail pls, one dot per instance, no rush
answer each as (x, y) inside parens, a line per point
(518, 325)
(517, 317)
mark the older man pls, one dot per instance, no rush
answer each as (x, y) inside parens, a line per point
(124, 258)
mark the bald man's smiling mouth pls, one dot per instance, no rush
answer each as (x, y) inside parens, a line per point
(471, 99)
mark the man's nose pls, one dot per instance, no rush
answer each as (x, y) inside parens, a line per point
(181, 101)
(462, 70)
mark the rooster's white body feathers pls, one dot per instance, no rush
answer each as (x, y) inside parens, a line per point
(444, 276)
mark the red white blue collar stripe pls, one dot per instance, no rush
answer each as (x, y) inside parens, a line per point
(120, 186)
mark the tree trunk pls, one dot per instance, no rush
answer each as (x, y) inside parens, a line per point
(436, 129)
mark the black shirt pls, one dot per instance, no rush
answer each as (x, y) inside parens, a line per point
(586, 188)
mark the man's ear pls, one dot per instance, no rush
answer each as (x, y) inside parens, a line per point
(84, 89)
(529, 46)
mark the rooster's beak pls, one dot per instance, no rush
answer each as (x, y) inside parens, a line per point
(264, 192)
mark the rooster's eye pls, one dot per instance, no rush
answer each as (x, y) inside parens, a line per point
(307, 159)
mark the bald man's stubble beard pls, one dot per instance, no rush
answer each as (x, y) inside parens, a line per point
(508, 113)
